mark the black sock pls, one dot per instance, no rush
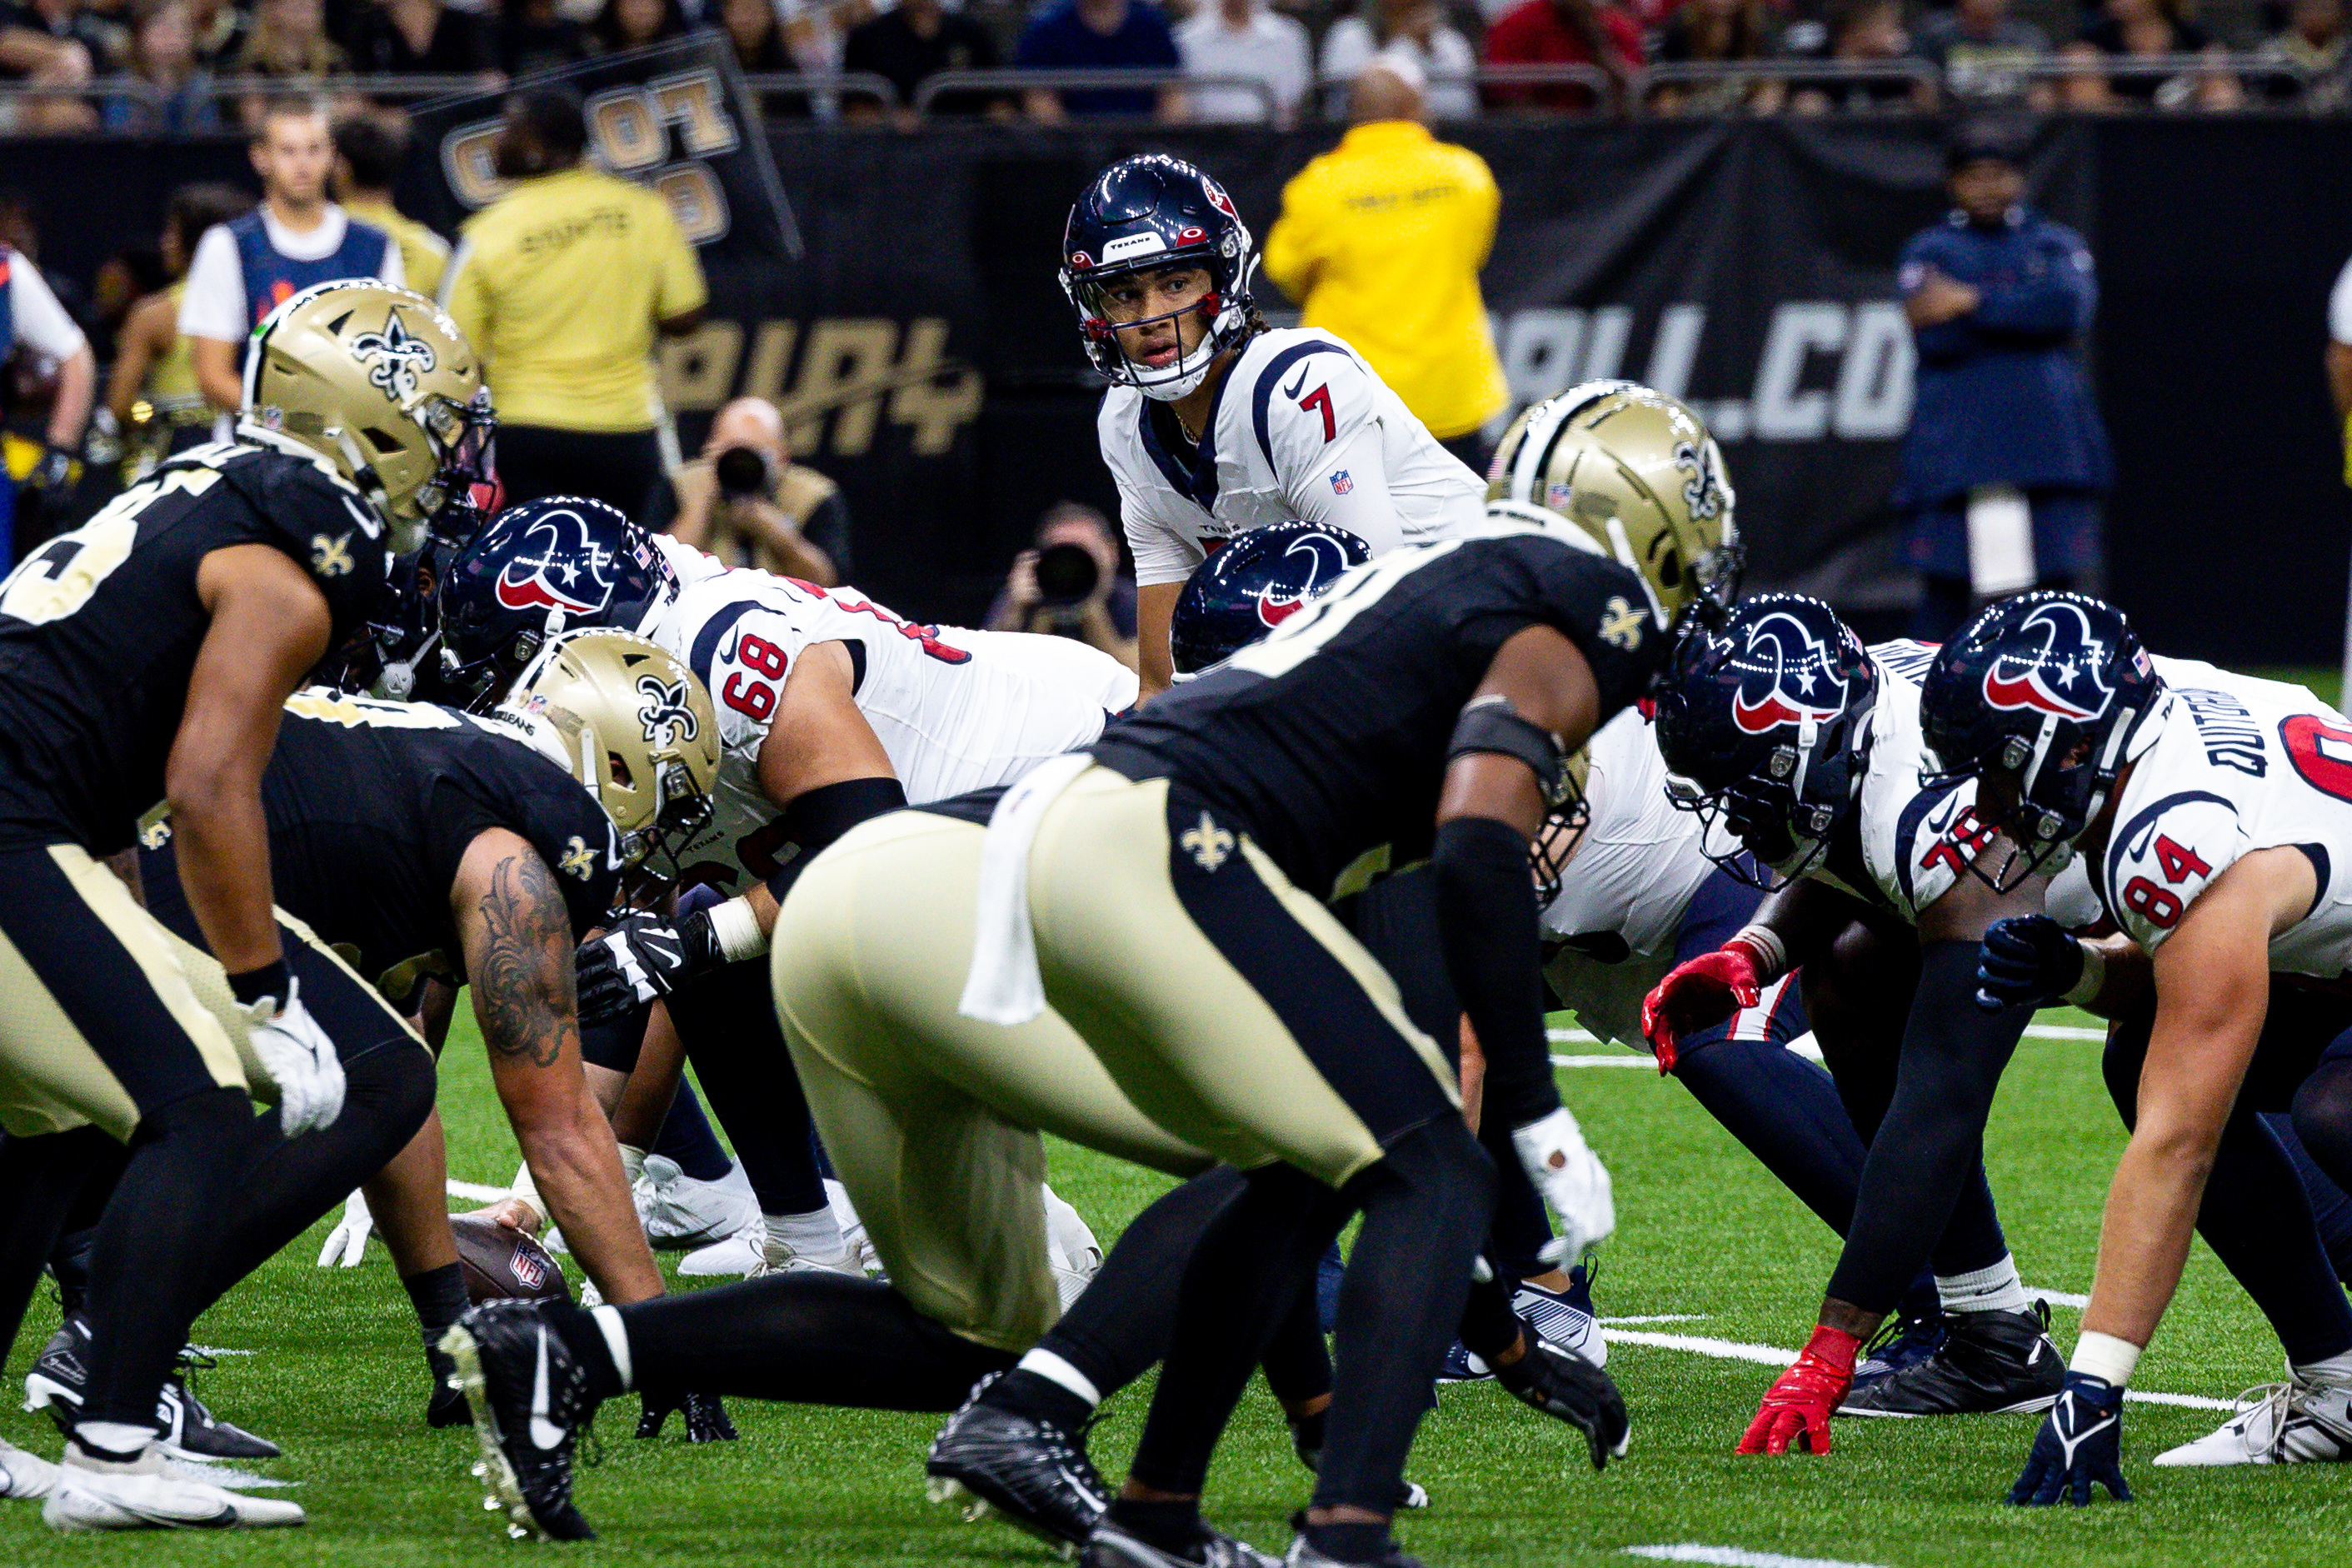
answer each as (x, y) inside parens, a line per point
(439, 1297)
(1306, 1435)
(728, 1022)
(1349, 1543)
(1040, 1398)
(1172, 1524)
(40, 1178)
(1488, 1325)
(1297, 1361)
(686, 1137)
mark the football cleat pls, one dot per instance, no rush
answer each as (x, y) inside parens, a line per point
(1903, 1343)
(1565, 1316)
(1460, 1366)
(447, 1405)
(1988, 1362)
(2292, 1422)
(530, 1400)
(24, 1475)
(1568, 1388)
(188, 1430)
(706, 1418)
(1303, 1555)
(91, 1494)
(1033, 1472)
(737, 1256)
(680, 1214)
(1113, 1547)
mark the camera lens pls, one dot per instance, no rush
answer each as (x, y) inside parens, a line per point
(1067, 574)
(740, 471)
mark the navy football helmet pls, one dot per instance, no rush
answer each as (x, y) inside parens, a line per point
(1253, 584)
(1765, 725)
(2041, 700)
(1141, 215)
(556, 564)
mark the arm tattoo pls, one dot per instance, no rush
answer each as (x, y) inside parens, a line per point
(522, 974)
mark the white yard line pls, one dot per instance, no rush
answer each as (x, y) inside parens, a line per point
(1737, 1557)
(1657, 1317)
(475, 1191)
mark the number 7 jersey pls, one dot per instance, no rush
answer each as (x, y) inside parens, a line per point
(955, 710)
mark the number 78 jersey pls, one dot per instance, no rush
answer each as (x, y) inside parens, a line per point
(956, 711)
(2238, 765)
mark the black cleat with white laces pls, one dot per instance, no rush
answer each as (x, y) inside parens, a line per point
(185, 1428)
(1030, 1470)
(1112, 1546)
(1988, 1361)
(1568, 1388)
(530, 1400)
(1302, 1555)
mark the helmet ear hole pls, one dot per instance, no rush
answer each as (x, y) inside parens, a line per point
(382, 440)
(619, 767)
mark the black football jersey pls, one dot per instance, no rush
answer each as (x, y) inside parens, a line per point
(100, 627)
(1328, 737)
(372, 806)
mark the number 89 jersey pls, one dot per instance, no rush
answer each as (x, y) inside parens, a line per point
(2238, 765)
(955, 710)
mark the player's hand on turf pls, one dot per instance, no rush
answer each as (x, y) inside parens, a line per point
(706, 1418)
(1567, 1387)
(2026, 960)
(347, 1243)
(1797, 1408)
(643, 958)
(299, 1058)
(1696, 995)
(1572, 1179)
(2081, 1442)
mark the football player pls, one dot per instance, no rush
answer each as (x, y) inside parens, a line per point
(1214, 424)
(144, 656)
(1794, 743)
(2210, 812)
(831, 709)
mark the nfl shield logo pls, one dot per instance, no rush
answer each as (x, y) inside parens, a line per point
(1341, 484)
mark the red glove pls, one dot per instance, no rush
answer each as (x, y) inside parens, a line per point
(1796, 1409)
(1702, 991)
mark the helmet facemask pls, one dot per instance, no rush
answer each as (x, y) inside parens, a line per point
(1225, 310)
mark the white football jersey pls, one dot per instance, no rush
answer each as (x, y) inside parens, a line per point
(1908, 843)
(955, 710)
(689, 564)
(1300, 422)
(2238, 765)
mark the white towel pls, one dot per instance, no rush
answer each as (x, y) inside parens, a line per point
(1004, 987)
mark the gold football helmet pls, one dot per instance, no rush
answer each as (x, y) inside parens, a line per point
(1632, 473)
(637, 729)
(383, 385)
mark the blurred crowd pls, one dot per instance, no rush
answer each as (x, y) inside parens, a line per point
(176, 66)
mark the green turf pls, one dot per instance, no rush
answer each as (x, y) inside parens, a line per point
(1701, 1230)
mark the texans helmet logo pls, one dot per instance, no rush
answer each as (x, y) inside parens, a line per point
(567, 572)
(1218, 199)
(2061, 675)
(1310, 563)
(1799, 682)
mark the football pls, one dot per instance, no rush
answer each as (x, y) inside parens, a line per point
(502, 1263)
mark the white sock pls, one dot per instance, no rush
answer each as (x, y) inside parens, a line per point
(1055, 1370)
(812, 1235)
(1992, 1290)
(113, 1439)
(2335, 1369)
(616, 1340)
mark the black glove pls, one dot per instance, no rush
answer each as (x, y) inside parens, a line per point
(2080, 1441)
(705, 1418)
(2027, 959)
(1568, 1388)
(643, 958)
(51, 469)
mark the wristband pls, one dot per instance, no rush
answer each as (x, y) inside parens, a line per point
(527, 1191)
(270, 980)
(2106, 1357)
(2094, 976)
(736, 929)
(1765, 947)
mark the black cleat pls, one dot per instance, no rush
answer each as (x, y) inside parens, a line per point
(186, 1430)
(1902, 1343)
(447, 1405)
(1032, 1471)
(1302, 1555)
(1113, 1547)
(1988, 1362)
(1568, 1388)
(706, 1420)
(530, 1400)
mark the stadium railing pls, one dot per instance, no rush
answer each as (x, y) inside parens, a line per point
(930, 88)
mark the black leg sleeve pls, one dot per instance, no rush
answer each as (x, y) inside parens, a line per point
(728, 1024)
(39, 1179)
(1933, 1136)
(1120, 1327)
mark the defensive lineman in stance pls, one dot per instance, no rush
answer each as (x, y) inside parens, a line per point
(144, 656)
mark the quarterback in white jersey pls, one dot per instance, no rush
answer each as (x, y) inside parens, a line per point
(1214, 425)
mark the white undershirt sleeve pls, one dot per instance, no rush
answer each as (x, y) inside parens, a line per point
(2339, 307)
(41, 322)
(214, 303)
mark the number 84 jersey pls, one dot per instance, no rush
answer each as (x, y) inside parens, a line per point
(2238, 765)
(956, 711)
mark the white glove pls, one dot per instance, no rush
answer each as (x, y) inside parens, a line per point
(301, 1061)
(347, 1243)
(1571, 1178)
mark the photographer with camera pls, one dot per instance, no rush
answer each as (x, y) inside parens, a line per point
(746, 502)
(1070, 585)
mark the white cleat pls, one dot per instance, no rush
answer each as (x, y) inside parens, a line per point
(93, 1494)
(777, 1256)
(2278, 1424)
(737, 1256)
(1071, 1249)
(680, 1214)
(860, 1246)
(24, 1475)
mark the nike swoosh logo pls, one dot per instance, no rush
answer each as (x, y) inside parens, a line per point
(544, 1434)
(1296, 381)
